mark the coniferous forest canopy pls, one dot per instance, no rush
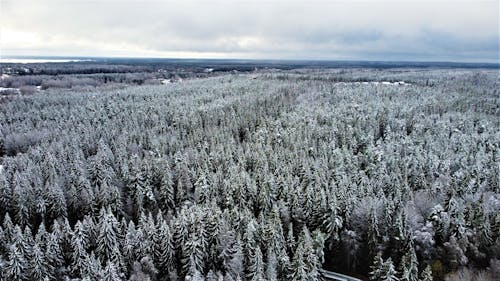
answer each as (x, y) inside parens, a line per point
(271, 175)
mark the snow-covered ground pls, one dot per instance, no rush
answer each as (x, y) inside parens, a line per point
(9, 91)
(398, 83)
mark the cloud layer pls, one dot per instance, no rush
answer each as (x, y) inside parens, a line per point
(362, 30)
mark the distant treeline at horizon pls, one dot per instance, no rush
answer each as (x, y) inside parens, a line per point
(272, 63)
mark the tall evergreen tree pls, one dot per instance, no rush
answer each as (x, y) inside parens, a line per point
(108, 246)
(111, 272)
(16, 265)
(79, 251)
(38, 266)
(426, 274)
(165, 186)
(409, 266)
(163, 249)
(382, 270)
(256, 266)
(54, 254)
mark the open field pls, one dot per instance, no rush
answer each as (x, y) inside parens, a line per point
(253, 175)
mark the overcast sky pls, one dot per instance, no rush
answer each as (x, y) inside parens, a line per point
(423, 30)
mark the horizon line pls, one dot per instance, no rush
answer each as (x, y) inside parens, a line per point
(251, 59)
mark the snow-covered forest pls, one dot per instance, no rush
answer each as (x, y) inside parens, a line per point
(268, 176)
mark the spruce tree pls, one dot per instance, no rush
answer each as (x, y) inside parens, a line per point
(38, 266)
(163, 249)
(382, 270)
(79, 249)
(111, 272)
(16, 265)
(426, 274)
(166, 186)
(256, 266)
(299, 270)
(409, 266)
(53, 253)
(107, 240)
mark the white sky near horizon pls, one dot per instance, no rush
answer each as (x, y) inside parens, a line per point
(439, 30)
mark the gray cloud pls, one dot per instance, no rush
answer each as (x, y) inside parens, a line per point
(317, 29)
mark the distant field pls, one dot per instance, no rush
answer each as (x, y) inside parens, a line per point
(270, 174)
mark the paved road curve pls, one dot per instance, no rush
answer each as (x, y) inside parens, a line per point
(334, 276)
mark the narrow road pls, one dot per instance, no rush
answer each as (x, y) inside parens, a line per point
(334, 276)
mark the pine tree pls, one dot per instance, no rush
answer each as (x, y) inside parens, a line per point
(455, 253)
(93, 269)
(409, 266)
(20, 199)
(256, 266)
(102, 175)
(180, 234)
(53, 253)
(331, 221)
(305, 263)
(382, 270)
(211, 232)
(373, 232)
(42, 236)
(138, 186)
(28, 241)
(166, 186)
(65, 239)
(482, 224)
(312, 259)
(130, 242)
(5, 195)
(426, 274)
(83, 199)
(16, 265)
(402, 236)
(193, 252)
(299, 269)
(202, 189)
(163, 249)
(38, 266)
(390, 271)
(8, 228)
(230, 250)
(377, 267)
(107, 241)
(250, 247)
(319, 239)
(56, 200)
(211, 276)
(19, 239)
(143, 270)
(146, 228)
(184, 184)
(79, 253)
(271, 266)
(111, 272)
(91, 231)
